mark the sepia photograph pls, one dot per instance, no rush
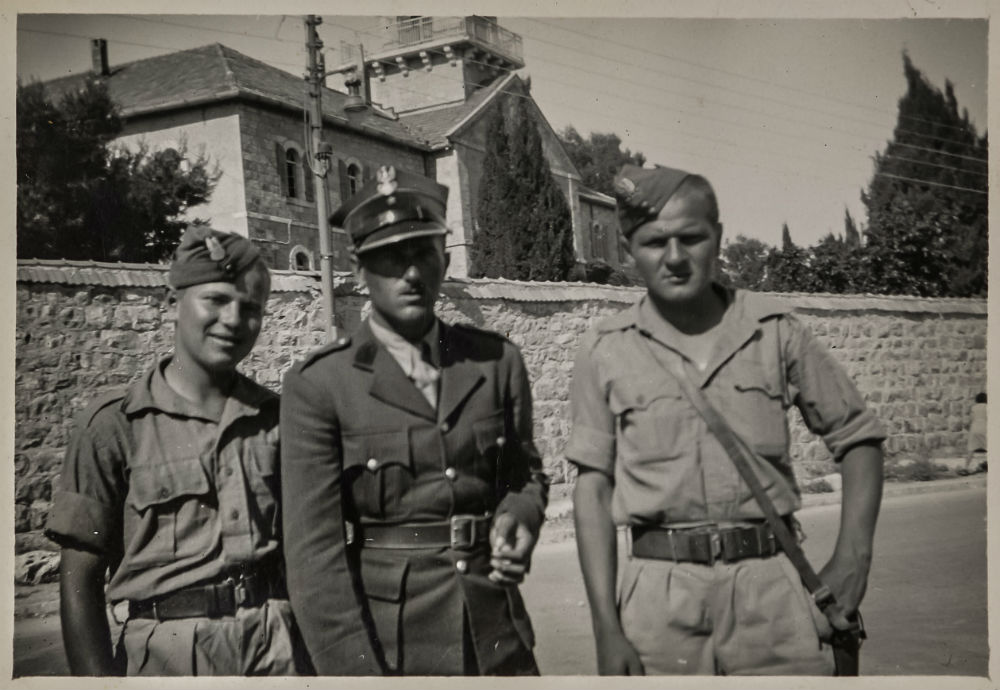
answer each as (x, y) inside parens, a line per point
(540, 344)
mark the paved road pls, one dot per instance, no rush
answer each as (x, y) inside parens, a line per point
(926, 605)
(925, 610)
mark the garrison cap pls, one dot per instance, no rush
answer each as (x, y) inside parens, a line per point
(395, 206)
(643, 192)
(210, 256)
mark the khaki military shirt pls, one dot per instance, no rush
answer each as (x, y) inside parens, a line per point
(632, 421)
(174, 494)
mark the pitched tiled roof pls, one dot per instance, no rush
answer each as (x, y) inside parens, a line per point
(434, 126)
(214, 72)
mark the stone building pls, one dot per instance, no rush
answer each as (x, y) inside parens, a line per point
(419, 103)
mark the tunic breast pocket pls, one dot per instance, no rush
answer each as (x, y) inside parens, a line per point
(653, 419)
(378, 468)
(175, 510)
(758, 414)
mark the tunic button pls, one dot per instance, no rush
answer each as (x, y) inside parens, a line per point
(235, 514)
(450, 473)
(229, 471)
(445, 426)
(462, 566)
(164, 493)
(372, 464)
(501, 441)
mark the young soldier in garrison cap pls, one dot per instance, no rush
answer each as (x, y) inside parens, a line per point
(706, 588)
(173, 485)
(413, 489)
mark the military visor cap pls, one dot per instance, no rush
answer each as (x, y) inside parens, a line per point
(393, 207)
(643, 192)
(205, 255)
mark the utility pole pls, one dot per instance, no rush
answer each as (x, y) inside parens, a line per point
(319, 163)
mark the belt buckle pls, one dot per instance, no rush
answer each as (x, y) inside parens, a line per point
(240, 592)
(463, 531)
(715, 544)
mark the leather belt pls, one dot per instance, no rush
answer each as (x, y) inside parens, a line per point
(704, 544)
(212, 600)
(459, 532)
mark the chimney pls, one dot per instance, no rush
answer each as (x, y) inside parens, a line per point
(99, 57)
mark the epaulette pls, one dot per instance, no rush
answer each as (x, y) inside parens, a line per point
(618, 322)
(102, 401)
(476, 330)
(312, 357)
(760, 307)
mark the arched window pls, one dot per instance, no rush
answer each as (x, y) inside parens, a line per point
(292, 173)
(300, 259)
(354, 180)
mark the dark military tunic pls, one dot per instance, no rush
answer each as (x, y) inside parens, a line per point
(362, 445)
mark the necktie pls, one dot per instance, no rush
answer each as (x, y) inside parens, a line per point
(425, 375)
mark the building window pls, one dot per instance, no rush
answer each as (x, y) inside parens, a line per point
(354, 178)
(414, 29)
(300, 259)
(292, 173)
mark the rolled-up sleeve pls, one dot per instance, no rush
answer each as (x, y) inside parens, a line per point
(592, 437)
(89, 494)
(830, 403)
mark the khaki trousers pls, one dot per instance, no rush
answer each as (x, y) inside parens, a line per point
(256, 641)
(753, 617)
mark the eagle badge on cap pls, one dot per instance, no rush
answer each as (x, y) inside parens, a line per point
(386, 177)
(216, 252)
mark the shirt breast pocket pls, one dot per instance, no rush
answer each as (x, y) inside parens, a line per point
(264, 478)
(652, 417)
(759, 415)
(378, 467)
(175, 509)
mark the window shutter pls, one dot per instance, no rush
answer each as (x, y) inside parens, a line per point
(345, 189)
(279, 158)
(307, 180)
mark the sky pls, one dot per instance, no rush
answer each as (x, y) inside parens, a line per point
(782, 115)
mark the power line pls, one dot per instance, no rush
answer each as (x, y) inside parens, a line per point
(936, 165)
(720, 70)
(941, 153)
(932, 184)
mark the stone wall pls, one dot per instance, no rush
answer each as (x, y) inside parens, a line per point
(83, 329)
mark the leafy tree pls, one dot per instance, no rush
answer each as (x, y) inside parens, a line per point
(525, 230)
(80, 197)
(787, 269)
(852, 236)
(927, 201)
(598, 157)
(744, 262)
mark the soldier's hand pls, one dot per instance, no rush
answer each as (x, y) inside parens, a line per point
(616, 656)
(512, 544)
(847, 578)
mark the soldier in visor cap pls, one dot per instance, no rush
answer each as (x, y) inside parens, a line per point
(648, 461)
(413, 489)
(173, 485)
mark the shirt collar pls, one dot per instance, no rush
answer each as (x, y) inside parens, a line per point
(153, 392)
(405, 352)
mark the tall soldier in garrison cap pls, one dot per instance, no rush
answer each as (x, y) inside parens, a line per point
(413, 489)
(173, 485)
(706, 588)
